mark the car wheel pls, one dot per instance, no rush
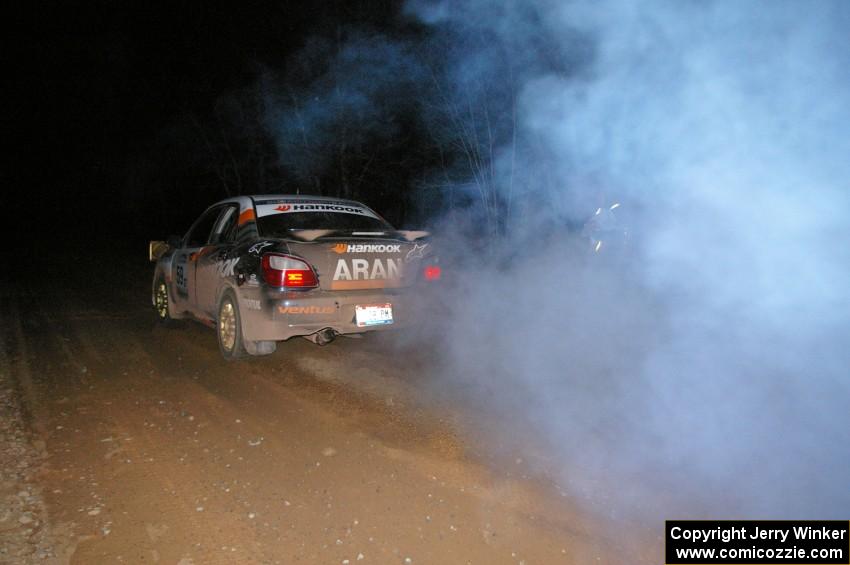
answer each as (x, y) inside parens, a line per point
(161, 303)
(229, 328)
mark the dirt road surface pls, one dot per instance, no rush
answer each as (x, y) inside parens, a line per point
(125, 442)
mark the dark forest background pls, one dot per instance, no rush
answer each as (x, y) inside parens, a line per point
(125, 122)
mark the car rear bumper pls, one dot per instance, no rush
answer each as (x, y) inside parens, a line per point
(271, 315)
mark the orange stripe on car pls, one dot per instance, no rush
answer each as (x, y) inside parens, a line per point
(246, 216)
(360, 285)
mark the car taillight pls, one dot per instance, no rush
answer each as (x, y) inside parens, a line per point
(432, 273)
(288, 272)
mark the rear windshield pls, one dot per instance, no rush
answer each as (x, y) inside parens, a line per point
(278, 225)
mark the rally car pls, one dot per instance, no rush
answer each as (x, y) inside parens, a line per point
(262, 269)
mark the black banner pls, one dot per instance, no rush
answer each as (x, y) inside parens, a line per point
(758, 542)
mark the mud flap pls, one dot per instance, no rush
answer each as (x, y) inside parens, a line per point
(260, 347)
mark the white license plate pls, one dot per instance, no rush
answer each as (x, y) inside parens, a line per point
(373, 315)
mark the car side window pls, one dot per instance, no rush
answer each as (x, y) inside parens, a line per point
(225, 229)
(199, 233)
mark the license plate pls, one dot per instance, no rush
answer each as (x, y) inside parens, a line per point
(373, 315)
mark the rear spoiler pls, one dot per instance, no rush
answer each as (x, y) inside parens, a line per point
(157, 249)
(313, 235)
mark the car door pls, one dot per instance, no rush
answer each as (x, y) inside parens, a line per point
(215, 261)
(185, 259)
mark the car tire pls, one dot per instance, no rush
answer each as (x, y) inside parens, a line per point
(229, 327)
(162, 303)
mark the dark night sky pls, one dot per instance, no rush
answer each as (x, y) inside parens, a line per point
(91, 88)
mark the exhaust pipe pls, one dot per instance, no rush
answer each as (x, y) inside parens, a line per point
(323, 337)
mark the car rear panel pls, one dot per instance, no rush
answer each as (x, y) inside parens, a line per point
(371, 272)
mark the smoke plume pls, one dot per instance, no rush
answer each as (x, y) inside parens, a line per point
(713, 358)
